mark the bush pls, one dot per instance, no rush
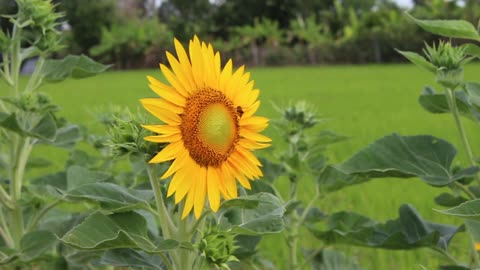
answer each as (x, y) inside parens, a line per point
(87, 19)
(132, 44)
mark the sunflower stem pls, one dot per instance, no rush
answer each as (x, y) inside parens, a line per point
(452, 103)
(165, 222)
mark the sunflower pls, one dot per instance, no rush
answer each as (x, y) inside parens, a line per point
(209, 125)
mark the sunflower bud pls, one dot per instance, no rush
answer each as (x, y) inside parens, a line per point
(125, 133)
(34, 102)
(218, 248)
(449, 61)
(40, 21)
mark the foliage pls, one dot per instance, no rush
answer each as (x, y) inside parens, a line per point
(129, 44)
(87, 19)
(425, 156)
(28, 119)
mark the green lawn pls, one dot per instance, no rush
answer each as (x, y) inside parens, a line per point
(364, 102)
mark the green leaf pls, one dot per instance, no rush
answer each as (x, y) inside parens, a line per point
(6, 255)
(45, 129)
(132, 258)
(473, 90)
(435, 102)
(419, 61)
(448, 28)
(77, 176)
(333, 260)
(111, 197)
(271, 171)
(469, 210)
(408, 231)
(257, 214)
(332, 179)
(34, 244)
(38, 162)
(10, 121)
(66, 137)
(453, 267)
(77, 67)
(119, 230)
(423, 156)
(449, 200)
(472, 49)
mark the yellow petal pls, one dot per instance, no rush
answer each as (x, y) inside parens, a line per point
(168, 153)
(225, 75)
(167, 92)
(184, 75)
(213, 185)
(177, 180)
(253, 136)
(200, 191)
(176, 164)
(249, 111)
(163, 129)
(249, 144)
(182, 189)
(164, 138)
(163, 114)
(174, 81)
(187, 208)
(162, 103)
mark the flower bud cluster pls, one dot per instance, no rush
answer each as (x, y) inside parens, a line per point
(39, 21)
(449, 61)
(218, 248)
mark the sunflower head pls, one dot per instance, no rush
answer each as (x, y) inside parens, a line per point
(209, 125)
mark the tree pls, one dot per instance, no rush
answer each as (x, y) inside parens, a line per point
(87, 19)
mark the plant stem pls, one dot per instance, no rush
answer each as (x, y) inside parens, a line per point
(166, 261)
(15, 55)
(35, 80)
(165, 222)
(20, 152)
(465, 190)
(5, 231)
(452, 103)
(42, 213)
(446, 254)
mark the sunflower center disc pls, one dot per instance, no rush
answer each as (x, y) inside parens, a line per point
(209, 127)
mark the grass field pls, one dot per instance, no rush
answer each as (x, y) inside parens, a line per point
(364, 102)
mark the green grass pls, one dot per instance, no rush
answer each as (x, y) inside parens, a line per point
(364, 102)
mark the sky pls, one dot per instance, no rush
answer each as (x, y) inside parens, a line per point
(404, 3)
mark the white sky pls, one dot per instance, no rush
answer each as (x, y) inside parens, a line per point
(404, 3)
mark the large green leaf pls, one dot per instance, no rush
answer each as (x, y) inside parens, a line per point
(473, 90)
(449, 200)
(469, 210)
(424, 156)
(332, 179)
(111, 197)
(448, 28)
(77, 176)
(419, 61)
(329, 259)
(71, 66)
(66, 137)
(260, 213)
(34, 244)
(119, 230)
(132, 258)
(44, 129)
(408, 231)
(472, 49)
(435, 102)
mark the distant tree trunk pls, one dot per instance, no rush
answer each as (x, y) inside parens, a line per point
(312, 56)
(376, 50)
(255, 53)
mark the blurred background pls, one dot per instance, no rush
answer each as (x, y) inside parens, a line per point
(133, 34)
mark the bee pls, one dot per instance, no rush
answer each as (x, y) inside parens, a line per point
(239, 111)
